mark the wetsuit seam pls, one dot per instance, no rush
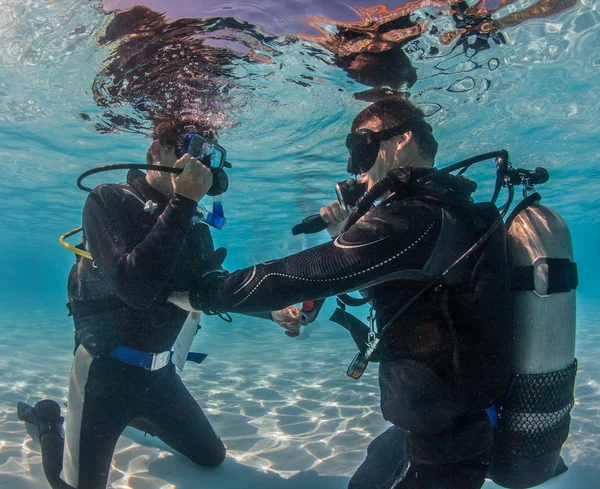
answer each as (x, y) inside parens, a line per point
(360, 272)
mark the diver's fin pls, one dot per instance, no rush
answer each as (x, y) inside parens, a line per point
(45, 415)
(48, 416)
(561, 467)
(26, 413)
(48, 410)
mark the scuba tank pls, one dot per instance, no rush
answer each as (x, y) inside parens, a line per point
(534, 418)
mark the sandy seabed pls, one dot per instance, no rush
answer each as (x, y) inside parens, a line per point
(288, 414)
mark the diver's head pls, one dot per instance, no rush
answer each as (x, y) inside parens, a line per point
(388, 134)
(171, 139)
(387, 68)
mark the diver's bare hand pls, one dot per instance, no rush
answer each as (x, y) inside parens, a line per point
(288, 319)
(335, 216)
(195, 179)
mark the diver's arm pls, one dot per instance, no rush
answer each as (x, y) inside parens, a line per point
(382, 246)
(136, 272)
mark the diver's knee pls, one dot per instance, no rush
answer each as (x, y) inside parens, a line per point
(356, 483)
(214, 458)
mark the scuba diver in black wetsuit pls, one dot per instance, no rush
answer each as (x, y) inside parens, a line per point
(146, 239)
(435, 268)
(447, 358)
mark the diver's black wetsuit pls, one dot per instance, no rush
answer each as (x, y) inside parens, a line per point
(446, 359)
(140, 257)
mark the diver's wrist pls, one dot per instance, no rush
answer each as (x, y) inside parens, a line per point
(183, 200)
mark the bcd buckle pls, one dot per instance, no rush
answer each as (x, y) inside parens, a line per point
(160, 360)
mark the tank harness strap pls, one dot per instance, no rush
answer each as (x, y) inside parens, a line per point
(357, 329)
(350, 301)
(456, 370)
(561, 276)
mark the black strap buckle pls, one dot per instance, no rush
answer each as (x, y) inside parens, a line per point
(546, 276)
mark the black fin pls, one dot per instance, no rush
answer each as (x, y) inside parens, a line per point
(561, 467)
(26, 413)
(48, 417)
(48, 410)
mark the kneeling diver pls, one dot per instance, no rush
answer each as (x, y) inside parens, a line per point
(142, 241)
(436, 268)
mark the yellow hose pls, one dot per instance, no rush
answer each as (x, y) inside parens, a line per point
(77, 251)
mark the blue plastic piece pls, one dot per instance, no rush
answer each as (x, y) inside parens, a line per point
(492, 413)
(216, 218)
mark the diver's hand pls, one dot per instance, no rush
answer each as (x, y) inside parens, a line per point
(335, 216)
(288, 319)
(195, 179)
(182, 301)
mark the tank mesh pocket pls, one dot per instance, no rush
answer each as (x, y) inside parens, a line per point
(536, 415)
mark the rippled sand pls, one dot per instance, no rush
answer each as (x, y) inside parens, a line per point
(284, 407)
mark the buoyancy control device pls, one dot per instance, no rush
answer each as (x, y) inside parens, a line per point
(533, 418)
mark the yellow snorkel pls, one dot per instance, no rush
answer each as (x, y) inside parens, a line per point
(74, 249)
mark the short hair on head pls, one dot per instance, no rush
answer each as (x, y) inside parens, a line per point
(394, 111)
(170, 132)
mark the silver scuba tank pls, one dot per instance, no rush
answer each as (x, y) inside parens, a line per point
(535, 416)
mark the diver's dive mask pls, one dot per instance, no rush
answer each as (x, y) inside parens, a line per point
(363, 145)
(211, 155)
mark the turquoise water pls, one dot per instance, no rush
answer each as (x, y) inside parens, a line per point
(285, 409)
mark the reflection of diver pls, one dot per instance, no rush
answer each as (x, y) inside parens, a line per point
(476, 21)
(436, 268)
(373, 54)
(142, 240)
(161, 68)
(148, 53)
(374, 51)
(374, 63)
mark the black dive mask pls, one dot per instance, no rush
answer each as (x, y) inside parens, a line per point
(211, 155)
(363, 145)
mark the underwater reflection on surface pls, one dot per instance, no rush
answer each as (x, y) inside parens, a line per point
(164, 64)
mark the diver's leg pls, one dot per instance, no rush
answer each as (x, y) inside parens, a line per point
(467, 474)
(385, 462)
(456, 459)
(46, 416)
(144, 425)
(52, 446)
(98, 411)
(179, 421)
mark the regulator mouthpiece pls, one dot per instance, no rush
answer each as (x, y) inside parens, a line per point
(349, 191)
